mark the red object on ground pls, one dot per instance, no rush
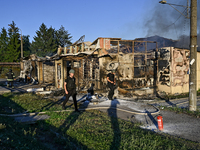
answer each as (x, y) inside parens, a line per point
(160, 122)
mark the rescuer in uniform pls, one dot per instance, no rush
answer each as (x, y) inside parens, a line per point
(70, 89)
(10, 78)
(111, 84)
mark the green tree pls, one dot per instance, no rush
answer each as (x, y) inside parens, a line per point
(26, 45)
(47, 40)
(44, 42)
(3, 44)
(63, 37)
(13, 48)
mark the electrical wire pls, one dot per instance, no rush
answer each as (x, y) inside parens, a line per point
(176, 19)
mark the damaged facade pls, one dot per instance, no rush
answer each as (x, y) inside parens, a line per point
(173, 70)
(142, 67)
(134, 62)
(38, 69)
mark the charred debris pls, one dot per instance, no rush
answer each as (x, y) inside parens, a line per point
(144, 67)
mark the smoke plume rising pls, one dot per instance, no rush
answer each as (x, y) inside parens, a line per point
(165, 21)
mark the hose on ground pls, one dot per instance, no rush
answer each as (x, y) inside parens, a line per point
(84, 109)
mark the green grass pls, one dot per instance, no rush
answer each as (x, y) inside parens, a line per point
(70, 130)
(17, 136)
(26, 102)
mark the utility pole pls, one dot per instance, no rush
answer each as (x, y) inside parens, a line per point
(193, 56)
(21, 44)
(193, 51)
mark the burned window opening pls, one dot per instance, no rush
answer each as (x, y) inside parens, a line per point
(113, 47)
(125, 47)
(91, 71)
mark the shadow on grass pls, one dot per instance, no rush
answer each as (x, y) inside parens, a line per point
(51, 104)
(14, 135)
(115, 125)
(58, 102)
(7, 106)
(39, 135)
(72, 117)
(69, 121)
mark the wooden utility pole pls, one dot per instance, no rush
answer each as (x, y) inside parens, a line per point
(21, 45)
(193, 56)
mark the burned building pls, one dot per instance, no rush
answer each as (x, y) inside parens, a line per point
(133, 60)
(142, 67)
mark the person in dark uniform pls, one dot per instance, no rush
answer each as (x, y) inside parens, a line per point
(10, 78)
(111, 84)
(70, 89)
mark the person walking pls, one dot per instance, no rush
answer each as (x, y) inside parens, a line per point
(10, 78)
(70, 89)
(111, 84)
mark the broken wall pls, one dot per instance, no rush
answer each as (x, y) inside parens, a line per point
(173, 70)
(164, 64)
(49, 72)
(45, 71)
(136, 64)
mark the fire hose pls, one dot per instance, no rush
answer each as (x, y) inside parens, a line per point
(85, 109)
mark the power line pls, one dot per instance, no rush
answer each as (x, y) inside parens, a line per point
(176, 19)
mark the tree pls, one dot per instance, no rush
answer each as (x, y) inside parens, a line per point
(13, 49)
(63, 37)
(3, 44)
(44, 43)
(47, 40)
(26, 45)
(10, 44)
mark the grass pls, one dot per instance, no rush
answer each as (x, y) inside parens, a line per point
(26, 102)
(70, 130)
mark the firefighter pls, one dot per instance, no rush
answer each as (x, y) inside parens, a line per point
(111, 84)
(10, 78)
(70, 89)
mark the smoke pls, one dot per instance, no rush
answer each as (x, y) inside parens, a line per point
(165, 21)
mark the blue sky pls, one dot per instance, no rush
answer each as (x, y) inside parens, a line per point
(127, 19)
